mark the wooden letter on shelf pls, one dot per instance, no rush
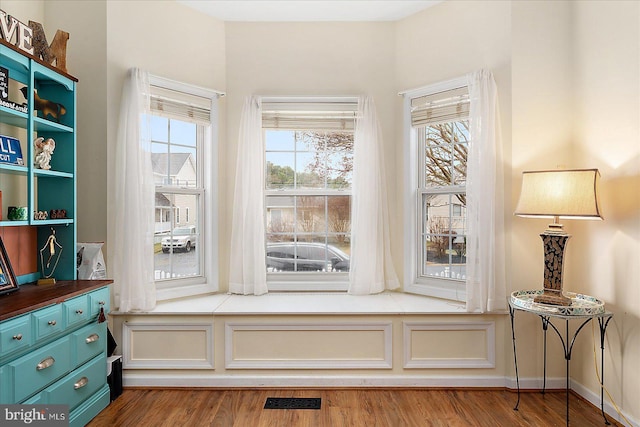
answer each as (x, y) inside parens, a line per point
(56, 52)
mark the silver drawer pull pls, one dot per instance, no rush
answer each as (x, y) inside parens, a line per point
(78, 311)
(52, 323)
(101, 303)
(81, 383)
(49, 361)
(17, 337)
(92, 338)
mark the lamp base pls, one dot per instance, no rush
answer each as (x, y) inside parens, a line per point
(552, 297)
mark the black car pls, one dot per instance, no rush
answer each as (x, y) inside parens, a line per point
(302, 256)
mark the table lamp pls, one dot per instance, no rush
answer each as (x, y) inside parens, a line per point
(566, 194)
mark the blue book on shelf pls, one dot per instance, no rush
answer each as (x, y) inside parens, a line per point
(10, 151)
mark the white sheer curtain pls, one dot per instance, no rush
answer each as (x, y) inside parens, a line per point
(248, 273)
(131, 217)
(371, 269)
(486, 287)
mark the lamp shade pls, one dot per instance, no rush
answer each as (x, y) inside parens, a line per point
(571, 194)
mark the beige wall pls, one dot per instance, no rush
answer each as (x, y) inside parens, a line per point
(86, 59)
(576, 71)
(541, 56)
(605, 256)
(307, 59)
(25, 11)
(166, 39)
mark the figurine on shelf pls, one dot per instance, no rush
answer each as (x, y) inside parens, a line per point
(43, 151)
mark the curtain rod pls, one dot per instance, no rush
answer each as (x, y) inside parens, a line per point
(183, 87)
(310, 99)
(436, 87)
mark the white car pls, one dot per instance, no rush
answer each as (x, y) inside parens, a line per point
(182, 238)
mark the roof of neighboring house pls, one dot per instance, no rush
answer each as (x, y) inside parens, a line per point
(162, 200)
(162, 161)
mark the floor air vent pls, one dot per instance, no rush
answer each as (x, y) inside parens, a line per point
(292, 403)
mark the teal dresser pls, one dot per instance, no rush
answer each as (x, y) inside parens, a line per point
(53, 348)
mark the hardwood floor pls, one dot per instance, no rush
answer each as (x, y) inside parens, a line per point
(345, 407)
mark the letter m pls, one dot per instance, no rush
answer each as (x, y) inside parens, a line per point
(57, 51)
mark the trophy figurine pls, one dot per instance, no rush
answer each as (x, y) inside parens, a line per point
(49, 256)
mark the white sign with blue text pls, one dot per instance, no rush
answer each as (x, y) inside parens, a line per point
(10, 151)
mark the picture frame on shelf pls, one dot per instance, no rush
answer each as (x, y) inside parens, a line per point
(8, 282)
(4, 84)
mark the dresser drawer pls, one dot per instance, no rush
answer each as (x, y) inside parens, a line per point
(78, 385)
(47, 321)
(29, 373)
(99, 299)
(15, 334)
(76, 311)
(89, 341)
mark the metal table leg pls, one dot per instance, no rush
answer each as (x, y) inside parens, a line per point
(515, 357)
(603, 323)
(568, 348)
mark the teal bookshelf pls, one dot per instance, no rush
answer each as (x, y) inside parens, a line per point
(27, 185)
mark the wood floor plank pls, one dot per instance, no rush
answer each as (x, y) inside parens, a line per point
(369, 407)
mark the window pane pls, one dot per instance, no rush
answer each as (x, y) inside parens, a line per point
(279, 170)
(339, 221)
(280, 217)
(183, 133)
(445, 151)
(339, 169)
(310, 167)
(444, 236)
(176, 240)
(159, 129)
(279, 140)
(311, 214)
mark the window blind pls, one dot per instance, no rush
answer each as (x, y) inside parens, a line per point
(331, 116)
(440, 107)
(180, 105)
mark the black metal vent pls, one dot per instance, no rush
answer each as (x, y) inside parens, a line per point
(292, 403)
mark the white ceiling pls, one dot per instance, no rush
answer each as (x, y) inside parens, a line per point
(309, 10)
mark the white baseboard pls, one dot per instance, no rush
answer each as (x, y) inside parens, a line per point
(271, 381)
(609, 409)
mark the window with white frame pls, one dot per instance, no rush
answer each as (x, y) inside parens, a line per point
(437, 139)
(308, 176)
(183, 133)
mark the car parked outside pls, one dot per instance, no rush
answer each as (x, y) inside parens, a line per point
(305, 256)
(182, 238)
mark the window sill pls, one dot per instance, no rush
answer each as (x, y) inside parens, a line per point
(299, 303)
